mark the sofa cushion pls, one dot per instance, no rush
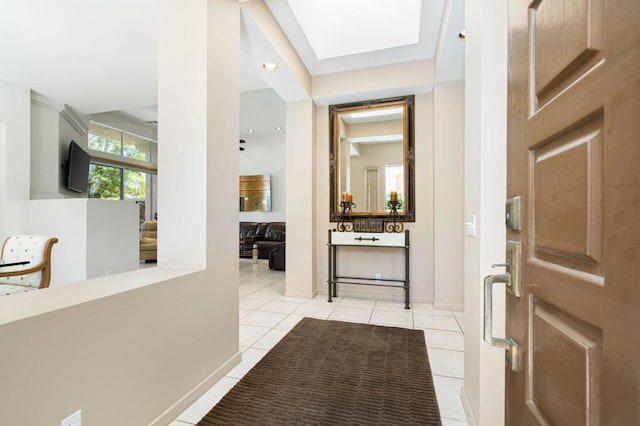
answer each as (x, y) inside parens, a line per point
(248, 229)
(275, 232)
(261, 228)
(149, 246)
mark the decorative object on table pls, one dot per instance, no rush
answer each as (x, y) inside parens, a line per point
(345, 224)
(361, 374)
(34, 249)
(368, 225)
(393, 223)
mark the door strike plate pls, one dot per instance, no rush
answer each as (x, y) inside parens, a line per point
(513, 213)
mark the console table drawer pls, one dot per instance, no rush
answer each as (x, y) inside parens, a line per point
(368, 239)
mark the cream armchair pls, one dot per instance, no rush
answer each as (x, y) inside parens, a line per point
(36, 274)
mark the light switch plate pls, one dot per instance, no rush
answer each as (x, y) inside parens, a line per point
(470, 225)
(73, 420)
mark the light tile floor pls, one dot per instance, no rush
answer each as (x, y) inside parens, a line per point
(266, 316)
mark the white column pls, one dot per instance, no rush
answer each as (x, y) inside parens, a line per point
(198, 114)
(301, 207)
(485, 189)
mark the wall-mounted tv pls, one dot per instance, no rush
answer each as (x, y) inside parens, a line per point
(77, 168)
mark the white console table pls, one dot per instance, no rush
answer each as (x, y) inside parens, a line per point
(367, 240)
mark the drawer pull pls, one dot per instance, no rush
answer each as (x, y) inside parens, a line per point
(367, 239)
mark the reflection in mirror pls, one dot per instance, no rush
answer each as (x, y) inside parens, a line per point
(372, 156)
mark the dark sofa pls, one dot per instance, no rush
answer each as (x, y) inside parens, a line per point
(266, 235)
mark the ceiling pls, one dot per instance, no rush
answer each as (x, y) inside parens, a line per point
(101, 56)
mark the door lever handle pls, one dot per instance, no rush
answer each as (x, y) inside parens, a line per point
(509, 345)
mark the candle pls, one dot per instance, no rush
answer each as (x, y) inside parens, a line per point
(349, 197)
(394, 196)
(344, 196)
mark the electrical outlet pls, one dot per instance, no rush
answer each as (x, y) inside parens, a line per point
(378, 276)
(73, 420)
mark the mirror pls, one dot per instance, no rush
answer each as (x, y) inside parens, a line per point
(372, 155)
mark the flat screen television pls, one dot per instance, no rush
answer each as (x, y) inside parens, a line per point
(77, 168)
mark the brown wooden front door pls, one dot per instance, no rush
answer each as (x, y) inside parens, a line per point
(574, 158)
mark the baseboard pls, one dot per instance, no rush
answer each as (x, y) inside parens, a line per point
(183, 403)
(301, 294)
(471, 419)
(448, 307)
(361, 292)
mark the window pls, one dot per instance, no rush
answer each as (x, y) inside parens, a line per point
(394, 181)
(117, 142)
(136, 147)
(121, 167)
(105, 182)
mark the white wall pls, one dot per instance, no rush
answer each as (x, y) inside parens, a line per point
(14, 154)
(448, 215)
(128, 349)
(266, 153)
(374, 82)
(53, 126)
(95, 237)
(46, 172)
(113, 244)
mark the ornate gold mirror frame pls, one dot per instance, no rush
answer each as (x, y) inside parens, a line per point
(366, 179)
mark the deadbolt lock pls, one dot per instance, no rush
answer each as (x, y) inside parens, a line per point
(512, 265)
(513, 213)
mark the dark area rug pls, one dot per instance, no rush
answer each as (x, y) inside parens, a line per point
(333, 372)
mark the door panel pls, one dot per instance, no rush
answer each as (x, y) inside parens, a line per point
(574, 158)
(566, 39)
(565, 358)
(567, 191)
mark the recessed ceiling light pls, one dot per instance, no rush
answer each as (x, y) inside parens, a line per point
(278, 128)
(250, 130)
(270, 66)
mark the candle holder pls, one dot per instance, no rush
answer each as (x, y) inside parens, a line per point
(345, 224)
(393, 223)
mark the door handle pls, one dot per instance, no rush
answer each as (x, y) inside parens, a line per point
(489, 281)
(509, 345)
